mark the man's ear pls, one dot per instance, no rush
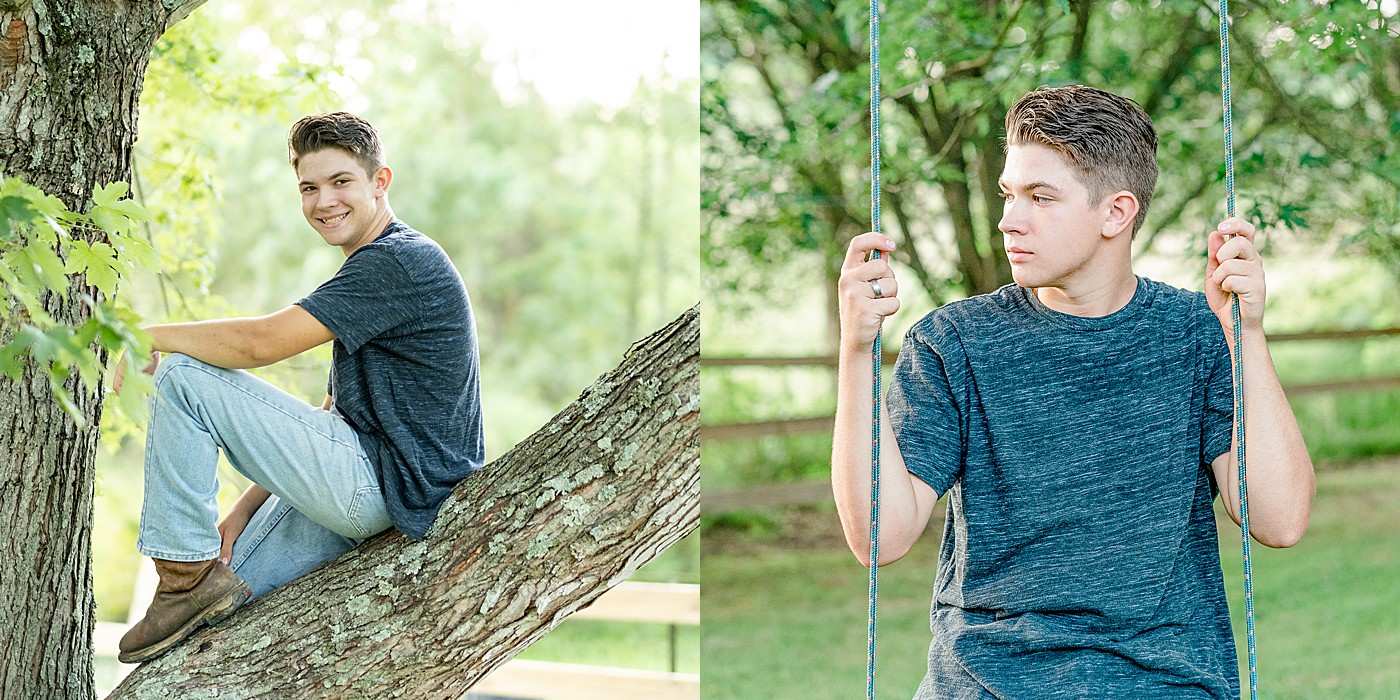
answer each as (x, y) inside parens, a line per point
(1122, 209)
(382, 178)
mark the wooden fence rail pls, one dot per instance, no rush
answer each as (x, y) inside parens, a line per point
(890, 354)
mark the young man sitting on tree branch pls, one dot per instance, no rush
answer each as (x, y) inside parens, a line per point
(400, 427)
(1080, 422)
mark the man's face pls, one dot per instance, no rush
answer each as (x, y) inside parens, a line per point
(1050, 229)
(339, 199)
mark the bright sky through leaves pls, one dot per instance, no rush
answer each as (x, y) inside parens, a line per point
(576, 51)
(570, 51)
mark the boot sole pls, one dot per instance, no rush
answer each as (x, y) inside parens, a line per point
(217, 611)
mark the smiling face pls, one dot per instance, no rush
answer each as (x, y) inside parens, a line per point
(346, 205)
(1053, 234)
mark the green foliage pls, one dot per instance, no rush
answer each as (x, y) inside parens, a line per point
(1316, 92)
(47, 250)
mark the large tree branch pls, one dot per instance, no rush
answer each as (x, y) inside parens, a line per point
(1176, 65)
(571, 511)
(178, 10)
(910, 251)
(1082, 11)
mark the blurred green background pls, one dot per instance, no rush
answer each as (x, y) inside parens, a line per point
(551, 149)
(785, 185)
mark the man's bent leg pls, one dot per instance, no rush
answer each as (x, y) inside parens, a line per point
(179, 510)
(308, 457)
(278, 441)
(280, 544)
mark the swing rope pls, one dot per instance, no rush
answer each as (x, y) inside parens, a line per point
(1238, 359)
(875, 352)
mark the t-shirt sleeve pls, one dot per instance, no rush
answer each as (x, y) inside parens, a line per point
(924, 415)
(1219, 415)
(370, 295)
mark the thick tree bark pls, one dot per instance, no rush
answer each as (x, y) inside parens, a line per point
(70, 77)
(600, 490)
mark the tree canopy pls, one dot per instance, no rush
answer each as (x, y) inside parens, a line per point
(785, 126)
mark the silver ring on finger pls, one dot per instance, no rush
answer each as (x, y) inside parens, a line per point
(875, 287)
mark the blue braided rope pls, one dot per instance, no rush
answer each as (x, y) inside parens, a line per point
(1238, 357)
(875, 352)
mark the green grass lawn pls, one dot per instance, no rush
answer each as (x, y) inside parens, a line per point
(1327, 618)
(785, 617)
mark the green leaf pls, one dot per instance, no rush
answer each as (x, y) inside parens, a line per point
(1292, 215)
(131, 249)
(131, 210)
(110, 220)
(38, 264)
(98, 261)
(114, 214)
(50, 206)
(14, 209)
(48, 231)
(10, 363)
(108, 195)
(131, 401)
(120, 330)
(64, 399)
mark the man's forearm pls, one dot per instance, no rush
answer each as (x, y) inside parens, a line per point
(1280, 472)
(231, 343)
(901, 521)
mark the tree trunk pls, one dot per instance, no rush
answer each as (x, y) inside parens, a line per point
(70, 77)
(599, 491)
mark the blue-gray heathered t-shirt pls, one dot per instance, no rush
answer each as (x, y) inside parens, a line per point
(1079, 556)
(405, 369)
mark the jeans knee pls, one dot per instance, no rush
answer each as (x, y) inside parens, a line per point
(168, 363)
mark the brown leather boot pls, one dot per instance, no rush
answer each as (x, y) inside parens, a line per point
(190, 594)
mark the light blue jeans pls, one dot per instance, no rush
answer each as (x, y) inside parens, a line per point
(325, 493)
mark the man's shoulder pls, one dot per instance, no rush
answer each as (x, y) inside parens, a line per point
(1170, 301)
(399, 237)
(1171, 294)
(409, 247)
(981, 312)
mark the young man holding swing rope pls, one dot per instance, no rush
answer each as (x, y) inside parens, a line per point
(1080, 422)
(400, 426)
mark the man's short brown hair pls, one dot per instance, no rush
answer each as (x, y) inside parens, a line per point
(341, 130)
(1107, 138)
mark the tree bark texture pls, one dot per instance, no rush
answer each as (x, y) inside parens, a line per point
(574, 509)
(70, 77)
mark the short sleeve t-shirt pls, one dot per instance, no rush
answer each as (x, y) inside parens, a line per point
(1079, 555)
(405, 369)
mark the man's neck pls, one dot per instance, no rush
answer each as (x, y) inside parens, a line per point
(1091, 298)
(380, 224)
